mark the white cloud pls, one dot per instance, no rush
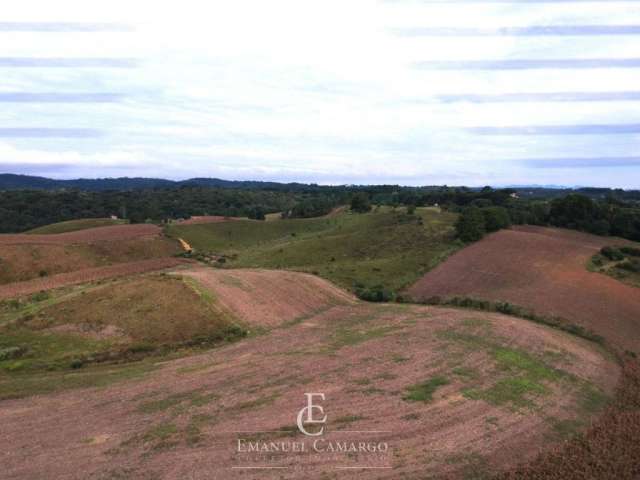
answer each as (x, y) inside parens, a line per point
(295, 88)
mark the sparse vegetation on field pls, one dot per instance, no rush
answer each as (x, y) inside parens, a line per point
(116, 322)
(621, 263)
(75, 225)
(376, 254)
(608, 449)
(423, 392)
(516, 311)
(21, 262)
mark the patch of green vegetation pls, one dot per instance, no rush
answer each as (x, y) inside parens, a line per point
(592, 400)
(21, 385)
(345, 336)
(522, 377)
(387, 247)
(75, 225)
(517, 311)
(465, 372)
(565, 429)
(362, 381)
(347, 419)
(508, 391)
(527, 374)
(400, 358)
(44, 350)
(521, 362)
(161, 432)
(60, 331)
(621, 263)
(193, 431)
(423, 392)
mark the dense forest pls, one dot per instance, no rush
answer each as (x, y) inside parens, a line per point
(43, 201)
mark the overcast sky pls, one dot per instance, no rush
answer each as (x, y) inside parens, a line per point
(329, 91)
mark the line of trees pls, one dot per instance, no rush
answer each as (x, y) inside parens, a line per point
(599, 211)
(578, 212)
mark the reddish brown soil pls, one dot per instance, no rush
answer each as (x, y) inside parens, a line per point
(179, 422)
(543, 269)
(86, 275)
(269, 298)
(109, 233)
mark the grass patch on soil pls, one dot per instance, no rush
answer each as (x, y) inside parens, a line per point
(23, 385)
(623, 264)
(195, 398)
(114, 323)
(75, 225)
(27, 261)
(423, 392)
(518, 378)
(516, 311)
(385, 248)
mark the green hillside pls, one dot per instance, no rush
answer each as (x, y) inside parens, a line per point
(75, 225)
(386, 247)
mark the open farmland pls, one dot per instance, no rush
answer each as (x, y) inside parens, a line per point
(544, 270)
(25, 256)
(452, 392)
(386, 247)
(75, 225)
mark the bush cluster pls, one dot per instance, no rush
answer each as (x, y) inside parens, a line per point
(377, 293)
(475, 222)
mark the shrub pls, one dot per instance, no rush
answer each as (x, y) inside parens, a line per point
(496, 218)
(76, 363)
(631, 265)
(39, 297)
(360, 203)
(470, 225)
(11, 352)
(631, 251)
(375, 294)
(612, 253)
(598, 260)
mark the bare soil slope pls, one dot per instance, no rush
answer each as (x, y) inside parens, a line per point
(25, 256)
(86, 275)
(112, 232)
(450, 391)
(543, 269)
(269, 298)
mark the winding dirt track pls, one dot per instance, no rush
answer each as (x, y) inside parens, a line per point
(108, 233)
(86, 275)
(543, 269)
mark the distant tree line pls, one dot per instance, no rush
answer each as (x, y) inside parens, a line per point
(483, 210)
(22, 210)
(609, 216)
